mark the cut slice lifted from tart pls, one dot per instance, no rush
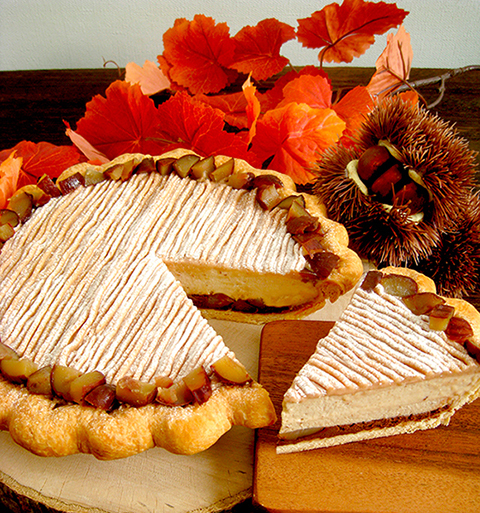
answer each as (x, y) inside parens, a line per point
(400, 359)
(102, 349)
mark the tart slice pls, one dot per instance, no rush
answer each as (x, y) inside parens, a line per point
(400, 359)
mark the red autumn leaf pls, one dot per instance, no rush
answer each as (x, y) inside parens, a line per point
(393, 65)
(353, 107)
(257, 49)
(346, 31)
(9, 173)
(125, 121)
(253, 107)
(199, 53)
(197, 126)
(233, 106)
(315, 91)
(42, 158)
(292, 137)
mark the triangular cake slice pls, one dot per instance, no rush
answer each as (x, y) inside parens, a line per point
(400, 359)
(103, 350)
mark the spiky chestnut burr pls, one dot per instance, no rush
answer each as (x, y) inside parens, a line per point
(454, 263)
(396, 208)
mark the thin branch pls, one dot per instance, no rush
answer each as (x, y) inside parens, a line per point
(439, 78)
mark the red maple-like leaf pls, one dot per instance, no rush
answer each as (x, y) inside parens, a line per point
(125, 121)
(233, 106)
(346, 31)
(194, 125)
(42, 158)
(257, 49)
(198, 54)
(291, 138)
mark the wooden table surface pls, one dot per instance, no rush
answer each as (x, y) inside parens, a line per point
(34, 104)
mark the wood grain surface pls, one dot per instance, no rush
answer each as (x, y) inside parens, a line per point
(425, 472)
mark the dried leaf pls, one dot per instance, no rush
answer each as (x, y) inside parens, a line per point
(393, 65)
(253, 107)
(9, 173)
(292, 137)
(42, 158)
(346, 31)
(150, 77)
(194, 125)
(125, 121)
(257, 49)
(85, 147)
(199, 53)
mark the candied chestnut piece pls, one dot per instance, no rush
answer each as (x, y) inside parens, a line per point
(39, 382)
(70, 183)
(176, 395)
(135, 392)
(199, 384)
(9, 217)
(423, 302)
(203, 168)
(231, 371)
(371, 280)
(223, 171)
(84, 384)
(17, 370)
(459, 330)
(183, 165)
(399, 285)
(165, 165)
(7, 352)
(440, 316)
(48, 186)
(103, 397)
(241, 180)
(323, 263)
(22, 204)
(268, 197)
(61, 377)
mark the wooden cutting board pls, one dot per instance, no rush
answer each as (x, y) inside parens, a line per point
(425, 472)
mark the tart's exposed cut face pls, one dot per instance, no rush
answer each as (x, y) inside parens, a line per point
(400, 359)
(102, 348)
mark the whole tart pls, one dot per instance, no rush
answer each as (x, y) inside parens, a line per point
(401, 358)
(103, 347)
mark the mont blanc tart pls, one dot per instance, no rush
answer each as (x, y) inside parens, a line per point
(400, 359)
(104, 275)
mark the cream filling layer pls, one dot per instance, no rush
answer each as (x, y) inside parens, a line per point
(306, 417)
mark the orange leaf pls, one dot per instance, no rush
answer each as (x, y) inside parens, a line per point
(393, 65)
(271, 99)
(253, 107)
(354, 106)
(312, 90)
(126, 121)
(257, 49)
(199, 53)
(197, 126)
(9, 173)
(233, 106)
(150, 77)
(42, 158)
(347, 31)
(292, 137)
